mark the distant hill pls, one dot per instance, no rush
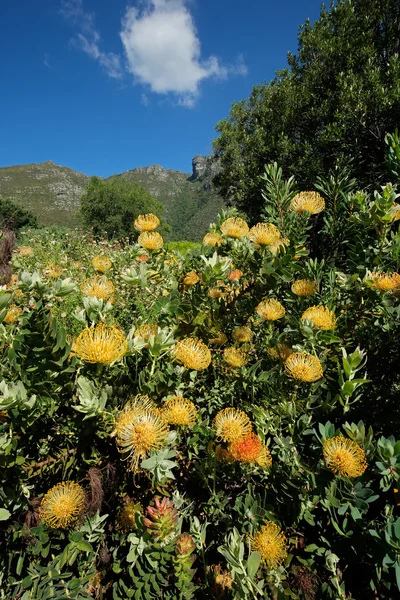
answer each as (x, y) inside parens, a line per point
(53, 193)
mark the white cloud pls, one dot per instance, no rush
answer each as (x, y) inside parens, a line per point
(88, 39)
(163, 50)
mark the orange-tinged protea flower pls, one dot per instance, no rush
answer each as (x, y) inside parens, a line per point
(179, 411)
(384, 282)
(321, 316)
(242, 334)
(53, 271)
(212, 239)
(344, 457)
(215, 293)
(271, 543)
(219, 340)
(264, 234)
(236, 274)
(147, 222)
(146, 330)
(278, 245)
(62, 505)
(304, 367)
(310, 202)
(99, 287)
(151, 240)
(234, 357)
(270, 310)
(251, 450)
(101, 263)
(140, 430)
(193, 354)
(13, 314)
(25, 251)
(235, 227)
(223, 454)
(127, 518)
(162, 518)
(223, 580)
(191, 278)
(280, 351)
(303, 287)
(142, 257)
(100, 344)
(232, 425)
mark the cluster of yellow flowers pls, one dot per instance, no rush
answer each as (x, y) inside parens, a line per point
(149, 238)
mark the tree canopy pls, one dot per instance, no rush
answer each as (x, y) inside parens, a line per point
(15, 217)
(331, 106)
(111, 206)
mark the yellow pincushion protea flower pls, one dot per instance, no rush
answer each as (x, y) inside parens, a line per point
(13, 282)
(304, 367)
(212, 239)
(127, 518)
(232, 425)
(344, 457)
(191, 278)
(62, 505)
(264, 234)
(101, 263)
(146, 330)
(179, 411)
(271, 543)
(384, 282)
(25, 251)
(140, 431)
(53, 271)
(219, 340)
(215, 293)
(235, 275)
(310, 202)
(99, 287)
(13, 314)
(193, 354)
(280, 351)
(235, 227)
(270, 310)
(234, 357)
(151, 240)
(321, 316)
(100, 344)
(278, 245)
(242, 334)
(251, 450)
(303, 287)
(147, 222)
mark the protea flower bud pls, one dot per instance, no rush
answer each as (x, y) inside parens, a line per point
(183, 562)
(162, 518)
(184, 548)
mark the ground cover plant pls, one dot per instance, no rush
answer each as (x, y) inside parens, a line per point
(219, 423)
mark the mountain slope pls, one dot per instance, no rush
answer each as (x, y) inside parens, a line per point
(53, 192)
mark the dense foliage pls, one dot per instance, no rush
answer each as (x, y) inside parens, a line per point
(109, 207)
(15, 217)
(331, 106)
(219, 424)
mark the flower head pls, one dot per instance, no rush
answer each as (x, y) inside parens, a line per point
(219, 340)
(264, 234)
(193, 354)
(235, 227)
(384, 282)
(310, 202)
(216, 292)
(223, 580)
(242, 334)
(100, 344)
(395, 212)
(101, 263)
(304, 367)
(303, 287)
(151, 240)
(191, 278)
(99, 287)
(25, 251)
(128, 515)
(271, 543)
(321, 316)
(146, 330)
(62, 505)
(140, 430)
(212, 239)
(223, 454)
(147, 222)
(53, 271)
(13, 314)
(179, 411)
(235, 275)
(278, 245)
(232, 425)
(344, 457)
(234, 357)
(280, 351)
(270, 309)
(251, 450)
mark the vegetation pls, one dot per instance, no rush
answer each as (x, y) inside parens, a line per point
(330, 107)
(215, 424)
(14, 217)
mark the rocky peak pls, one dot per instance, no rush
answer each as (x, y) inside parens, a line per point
(204, 168)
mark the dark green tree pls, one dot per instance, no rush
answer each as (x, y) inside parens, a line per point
(15, 217)
(111, 206)
(331, 107)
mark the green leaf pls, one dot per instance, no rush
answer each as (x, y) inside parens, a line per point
(253, 563)
(4, 514)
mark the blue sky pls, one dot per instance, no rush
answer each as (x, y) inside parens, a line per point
(103, 86)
